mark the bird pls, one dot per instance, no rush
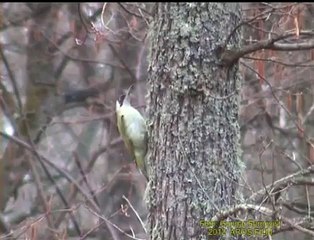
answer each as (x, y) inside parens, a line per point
(133, 130)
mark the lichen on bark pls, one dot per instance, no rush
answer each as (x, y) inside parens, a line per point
(193, 117)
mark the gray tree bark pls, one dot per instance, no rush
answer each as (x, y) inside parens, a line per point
(193, 118)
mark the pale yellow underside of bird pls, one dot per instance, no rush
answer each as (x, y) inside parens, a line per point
(131, 123)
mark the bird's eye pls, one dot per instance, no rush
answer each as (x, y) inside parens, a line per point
(121, 99)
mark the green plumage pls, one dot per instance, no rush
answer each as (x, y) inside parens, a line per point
(132, 128)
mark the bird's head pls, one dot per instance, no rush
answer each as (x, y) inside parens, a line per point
(124, 99)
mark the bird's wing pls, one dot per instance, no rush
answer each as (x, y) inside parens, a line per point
(145, 167)
(140, 163)
(145, 137)
(127, 141)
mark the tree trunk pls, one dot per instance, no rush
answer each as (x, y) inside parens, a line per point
(193, 118)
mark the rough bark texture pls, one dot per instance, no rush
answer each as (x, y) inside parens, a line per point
(193, 113)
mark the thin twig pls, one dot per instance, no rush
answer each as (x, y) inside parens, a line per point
(135, 212)
(12, 79)
(42, 158)
(112, 224)
(283, 181)
(73, 58)
(52, 180)
(29, 158)
(271, 43)
(91, 192)
(275, 97)
(87, 170)
(129, 12)
(281, 63)
(297, 226)
(308, 201)
(115, 52)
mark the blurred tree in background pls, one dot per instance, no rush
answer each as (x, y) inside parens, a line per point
(64, 171)
(64, 66)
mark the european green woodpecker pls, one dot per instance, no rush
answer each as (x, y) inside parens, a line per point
(132, 128)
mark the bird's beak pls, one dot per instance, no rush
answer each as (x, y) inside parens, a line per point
(128, 92)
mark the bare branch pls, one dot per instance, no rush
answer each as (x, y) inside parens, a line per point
(67, 176)
(297, 226)
(12, 79)
(233, 55)
(273, 60)
(275, 97)
(265, 211)
(112, 224)
(128, 11)
(222, 215)
(292, 46)
(283, 181)
(135, 212)
(82, 172)
(115, 52)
